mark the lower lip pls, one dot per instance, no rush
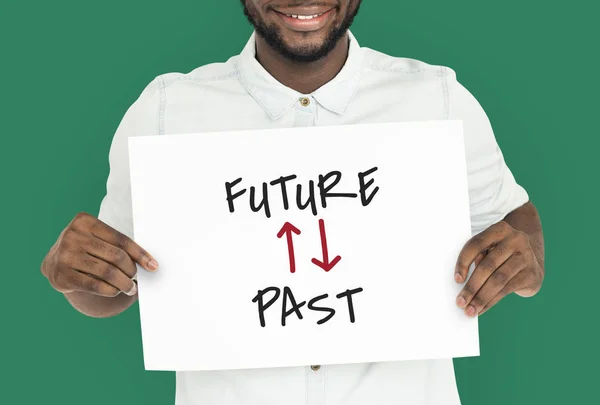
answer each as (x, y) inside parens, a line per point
(312, 24)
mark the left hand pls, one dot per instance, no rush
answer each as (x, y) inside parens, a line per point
(504, 263)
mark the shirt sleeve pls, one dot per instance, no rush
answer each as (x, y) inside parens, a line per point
(493, 190)
(141, 119)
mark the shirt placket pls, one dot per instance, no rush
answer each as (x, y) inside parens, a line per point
(315, 385)
(304, 116)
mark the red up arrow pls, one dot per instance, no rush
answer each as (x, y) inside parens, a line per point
(287, 230)
(325, 264)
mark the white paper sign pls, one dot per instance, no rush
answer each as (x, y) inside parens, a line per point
(363, 271)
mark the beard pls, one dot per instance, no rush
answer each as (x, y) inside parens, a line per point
(301, 54)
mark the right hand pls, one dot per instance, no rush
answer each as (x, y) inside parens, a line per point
(90, 256)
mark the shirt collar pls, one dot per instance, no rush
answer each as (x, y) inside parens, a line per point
(277, 98)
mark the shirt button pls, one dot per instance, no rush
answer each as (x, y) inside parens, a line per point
(304, 101)
(315, 368)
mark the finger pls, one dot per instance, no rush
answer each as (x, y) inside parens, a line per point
(103, 231)
(490, 263)
(508, 288)
(479, 258)
(72, 280)
(478, 245)
(105, 272)
(481, 255)
(109, 253)
(493, 302)
(459, 278)
(495, 284)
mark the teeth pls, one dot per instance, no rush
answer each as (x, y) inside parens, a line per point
(304, 17)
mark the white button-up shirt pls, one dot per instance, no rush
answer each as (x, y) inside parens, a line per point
(372, 87)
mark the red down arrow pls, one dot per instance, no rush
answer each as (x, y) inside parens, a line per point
(325, 264)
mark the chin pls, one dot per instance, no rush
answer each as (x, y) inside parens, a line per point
(303, 43)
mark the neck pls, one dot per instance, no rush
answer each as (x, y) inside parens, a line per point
(302, 77)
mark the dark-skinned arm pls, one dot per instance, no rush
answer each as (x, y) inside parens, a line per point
(94, 266)
(508, 257)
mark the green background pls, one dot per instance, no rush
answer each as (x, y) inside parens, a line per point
(70, 69)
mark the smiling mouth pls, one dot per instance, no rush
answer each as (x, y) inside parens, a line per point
(305, 20)
(302, 17)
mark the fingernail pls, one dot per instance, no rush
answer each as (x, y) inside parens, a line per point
(133, 290)
(470, 311)
(153, 265)
(458, 278)
(461, 302)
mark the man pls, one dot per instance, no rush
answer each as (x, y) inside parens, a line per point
(301, 68)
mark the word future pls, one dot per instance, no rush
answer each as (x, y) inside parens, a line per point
(325, 185)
